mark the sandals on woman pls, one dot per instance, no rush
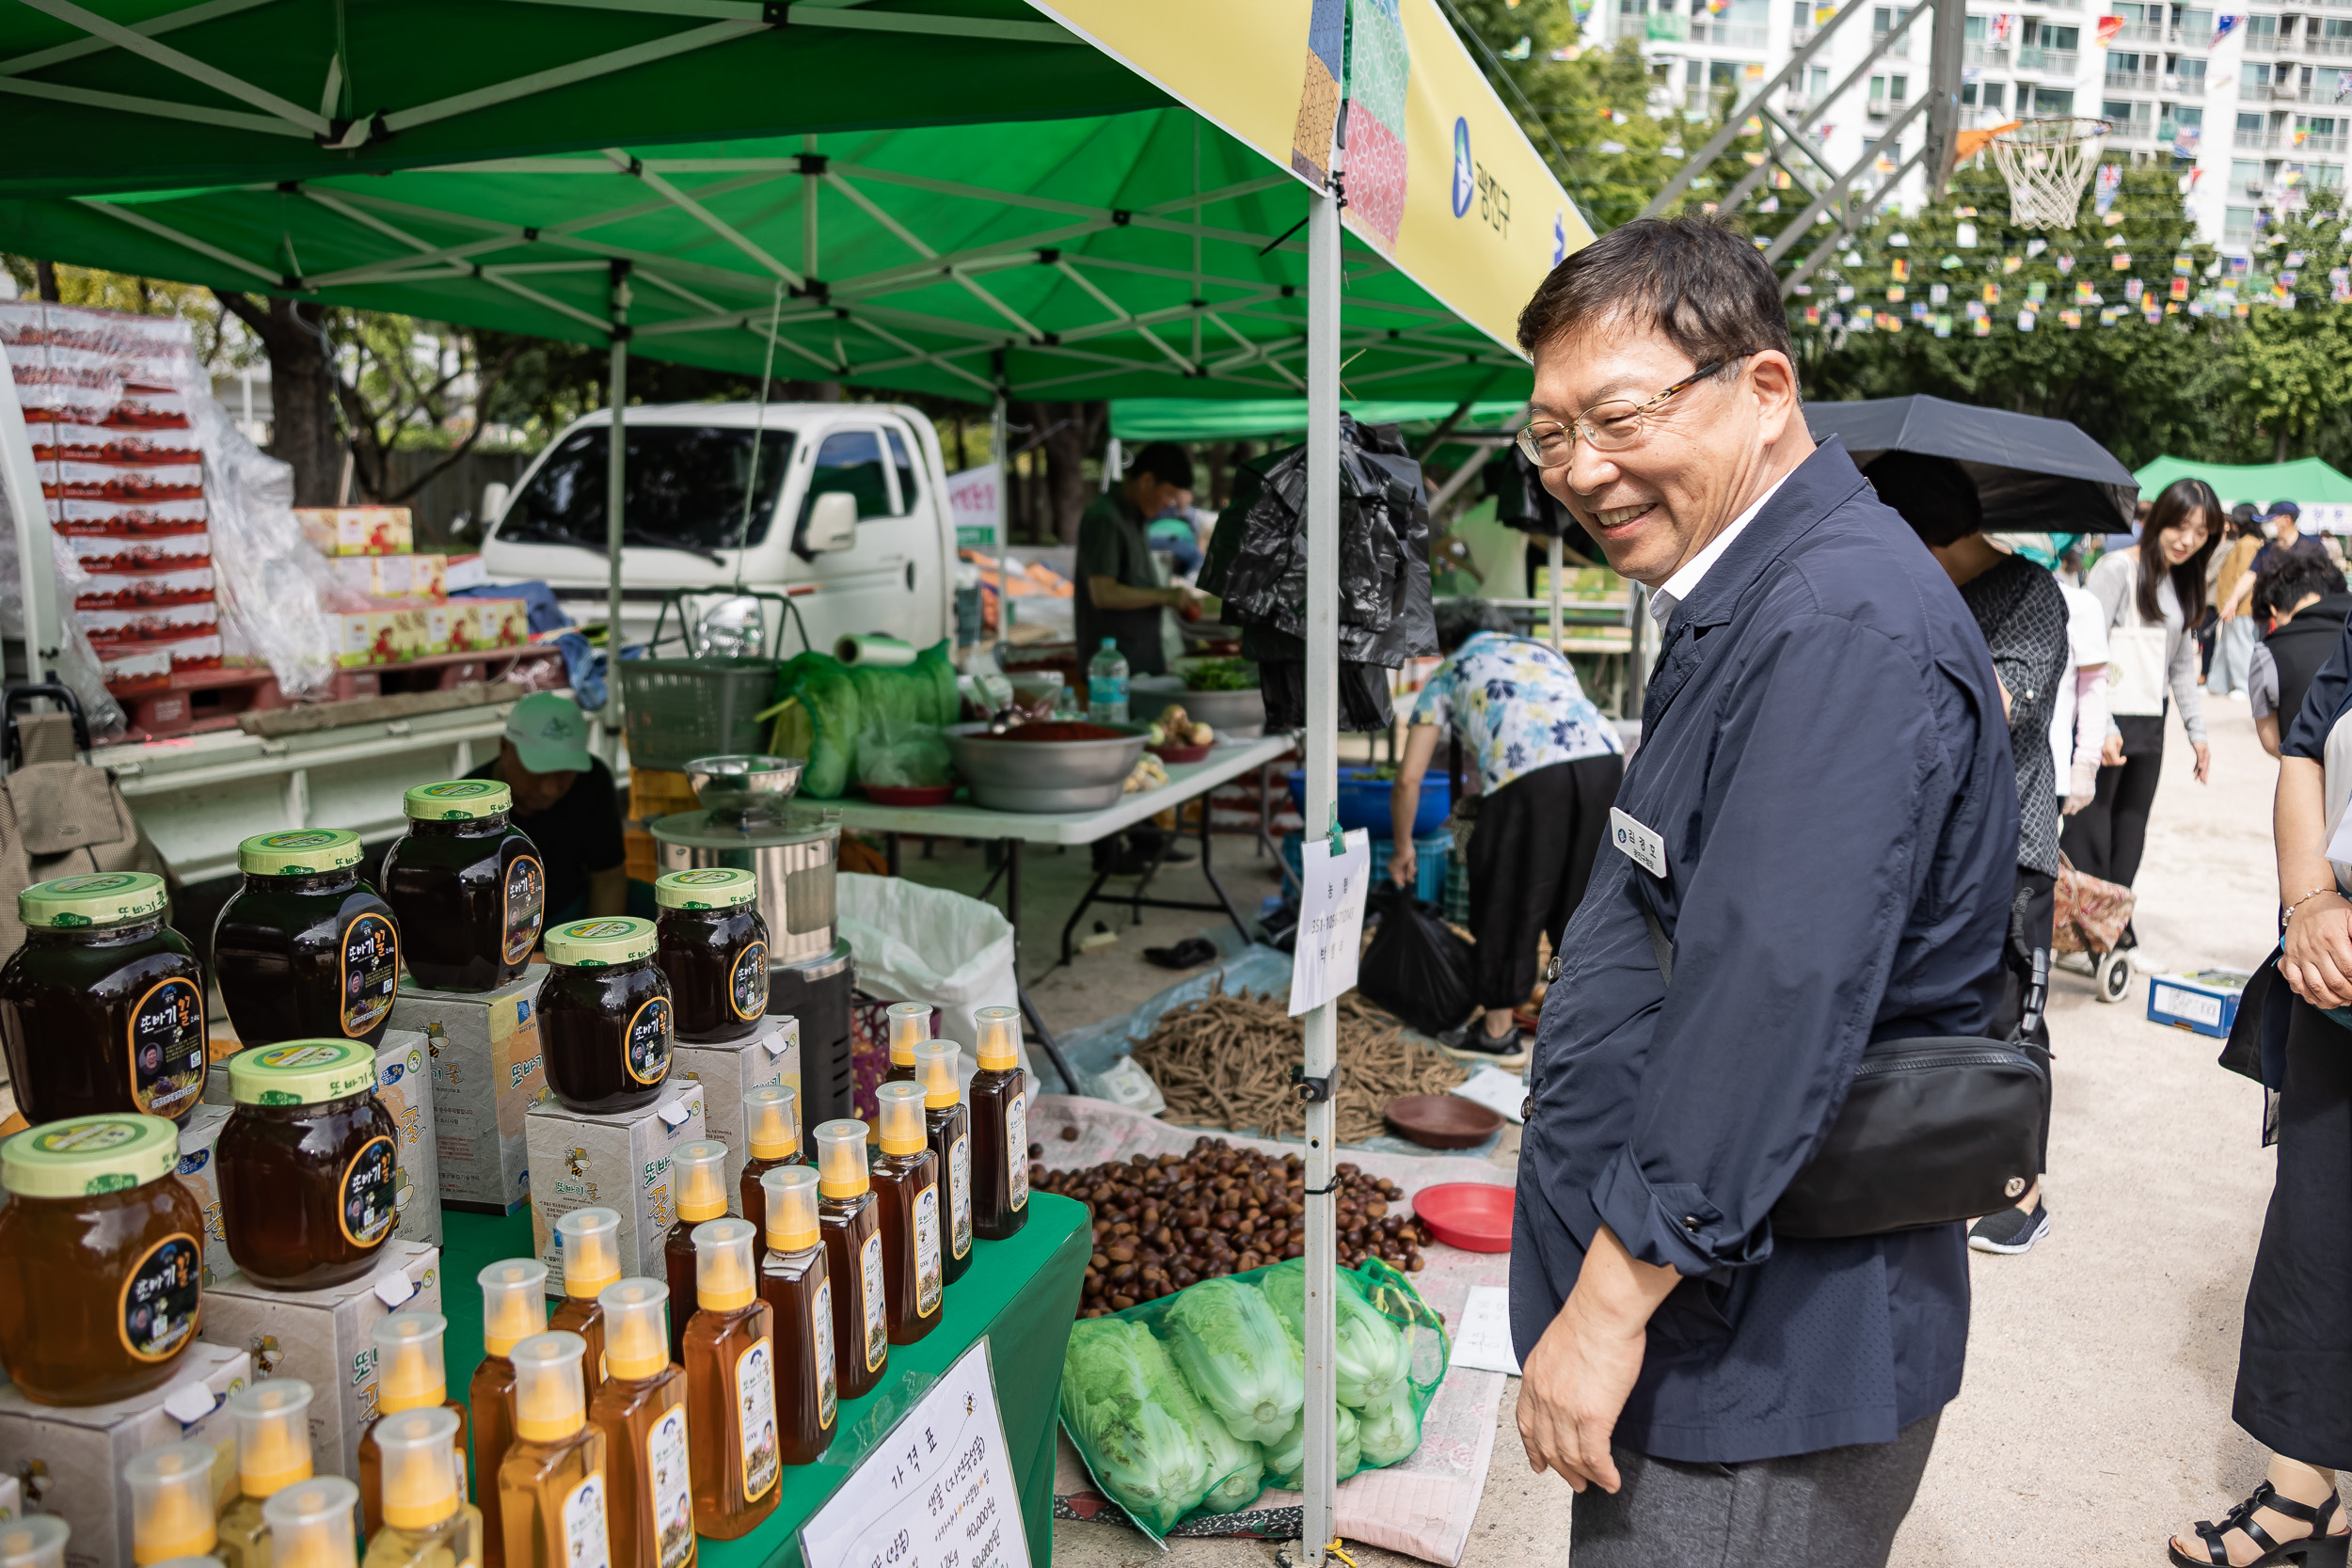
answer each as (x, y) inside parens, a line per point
(2319, 1549)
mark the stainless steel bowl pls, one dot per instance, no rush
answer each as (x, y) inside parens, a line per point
(1233, 715)
(1045, 775)
(745, 785)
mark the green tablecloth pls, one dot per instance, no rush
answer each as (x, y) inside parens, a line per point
(1021, 1294)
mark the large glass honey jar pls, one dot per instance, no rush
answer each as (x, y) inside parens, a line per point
(103, 1008)
(306, 949)
(308, 1164)
(467, 887)
(102, 1260)
(713, 948)
(605, 1023)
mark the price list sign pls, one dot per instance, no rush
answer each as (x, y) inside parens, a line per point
(937, 1492)
(1330, 919)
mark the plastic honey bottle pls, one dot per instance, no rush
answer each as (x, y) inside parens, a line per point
(846, 1218)
(409, 1375)
(948, 1126)
(701, 1170)
(514, 1307)
(1000, 1128)
(426, 1522)
(171, 1502)
(906, 1197)
(310, 1524)
(910, 1021)
(273, 1452)
(794, 1284)
(771, 1125)
(642, 1410)
(591, 1239)
(552, 1485)
(730, 1386)
(35, 1541)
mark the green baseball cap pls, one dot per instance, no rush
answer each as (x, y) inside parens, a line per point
(549, 733)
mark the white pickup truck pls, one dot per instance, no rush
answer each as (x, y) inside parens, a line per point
(879, 559)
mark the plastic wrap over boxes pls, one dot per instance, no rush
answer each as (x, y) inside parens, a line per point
(728, 1072)
(484, 1050)
(2204, 1002)
(622, 1163)
(68, 1461)
(325, 1338)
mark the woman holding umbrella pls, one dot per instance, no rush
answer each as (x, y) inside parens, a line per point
(2154, 597)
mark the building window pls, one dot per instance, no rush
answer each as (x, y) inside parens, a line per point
(2237, 224)
(2053, 101)
(1993, 93)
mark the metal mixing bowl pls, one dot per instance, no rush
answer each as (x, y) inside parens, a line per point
(742, 784)
(1233, 715)
(1045, 775)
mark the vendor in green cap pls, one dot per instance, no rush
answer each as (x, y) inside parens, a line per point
(565, 800)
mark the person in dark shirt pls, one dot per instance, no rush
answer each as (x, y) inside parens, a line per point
(2304, 604)
(565, 799)
(1118, 591)
(2290, 539)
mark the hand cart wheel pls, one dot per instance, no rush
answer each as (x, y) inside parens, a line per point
(2113, 972)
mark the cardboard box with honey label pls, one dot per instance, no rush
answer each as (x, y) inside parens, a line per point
(484, 1051)
(326, 1339)
(404, 1086)
(620, 1163)
(728, 1072)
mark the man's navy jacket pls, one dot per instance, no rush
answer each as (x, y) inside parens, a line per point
(1824, 757)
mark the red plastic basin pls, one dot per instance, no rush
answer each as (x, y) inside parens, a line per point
(1472, 1216)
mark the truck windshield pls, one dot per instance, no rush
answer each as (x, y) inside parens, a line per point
(685, 490)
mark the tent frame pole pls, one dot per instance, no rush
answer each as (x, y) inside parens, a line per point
(615, 499)
(1322, 760)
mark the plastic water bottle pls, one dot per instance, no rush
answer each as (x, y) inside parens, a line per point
(1106, 685)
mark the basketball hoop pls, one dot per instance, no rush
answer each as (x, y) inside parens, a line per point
(2047, 164)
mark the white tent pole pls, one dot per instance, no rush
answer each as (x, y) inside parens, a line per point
(997, 451)
(1321, 1027)
(615, 494)
(20, 480)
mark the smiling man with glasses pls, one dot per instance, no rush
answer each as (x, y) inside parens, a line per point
(1814, 840)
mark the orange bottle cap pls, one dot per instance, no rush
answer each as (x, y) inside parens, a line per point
(792, 1192)
(273, 1435)
(514, 1303)
(172, 1501)
(724, 1279)
(310, 1524)
(841, 1158)
(592, 1250)
(420, 1482)
(902, 1129)
(772, 1118)
(910, 1021)
(935, 1065)
(998, 1048)
(409, 1371)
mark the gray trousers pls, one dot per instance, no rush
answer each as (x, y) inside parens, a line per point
(1837, 1509)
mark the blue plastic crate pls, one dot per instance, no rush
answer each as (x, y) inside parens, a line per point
(1363, 801)
(1435, 850)
(2205, 1001)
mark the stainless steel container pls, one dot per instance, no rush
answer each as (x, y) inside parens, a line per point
(1044, 775)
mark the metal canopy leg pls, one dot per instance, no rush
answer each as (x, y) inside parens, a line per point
(1043, 1036)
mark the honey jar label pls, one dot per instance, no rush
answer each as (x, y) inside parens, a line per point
(647, 1043)
(585, 1543)
(368, 1203)
(1017, 1148)
(820, 1335)
(927, 1280)
(960, 1195)
(667, 1475)
(370, 973)
(526, 903)
(159, 1298)
(747, 981)
(755, 1418)
(168, 1051)
(870, 1277)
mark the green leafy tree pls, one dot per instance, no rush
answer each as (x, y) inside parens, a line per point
(2288, 375)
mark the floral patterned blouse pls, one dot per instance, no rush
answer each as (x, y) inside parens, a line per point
(1518, 707)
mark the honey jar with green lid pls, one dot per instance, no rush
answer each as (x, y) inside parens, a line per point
(306, 948)
(103, 1008)
(605, 1023)
(713, 949)
(468, 888)
(308, 1164)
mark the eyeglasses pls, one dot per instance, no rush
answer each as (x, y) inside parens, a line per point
(1611, 426)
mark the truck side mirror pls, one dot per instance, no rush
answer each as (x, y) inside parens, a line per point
(493, 498)
(831, 524)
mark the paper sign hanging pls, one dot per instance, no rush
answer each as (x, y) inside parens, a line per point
(1330, 919)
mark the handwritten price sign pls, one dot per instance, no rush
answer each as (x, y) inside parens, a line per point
(937, 1492)
(1331, 920)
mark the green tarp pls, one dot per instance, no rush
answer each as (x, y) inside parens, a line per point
(1195, 420)
(2307, 482)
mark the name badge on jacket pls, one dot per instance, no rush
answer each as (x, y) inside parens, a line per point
(1643, 847)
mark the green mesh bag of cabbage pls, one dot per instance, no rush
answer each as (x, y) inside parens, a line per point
(1194, 1403)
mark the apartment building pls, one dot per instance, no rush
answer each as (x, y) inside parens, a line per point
(2256, 104)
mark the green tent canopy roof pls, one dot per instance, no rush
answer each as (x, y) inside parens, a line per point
(2307, 482)
(1198, 419)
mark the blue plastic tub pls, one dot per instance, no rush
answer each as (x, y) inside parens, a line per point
(1435, 854)
(1364, 800)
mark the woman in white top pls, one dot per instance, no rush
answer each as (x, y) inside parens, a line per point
(2154, 595)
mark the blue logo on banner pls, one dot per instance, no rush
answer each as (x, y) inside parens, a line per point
(1465, 184)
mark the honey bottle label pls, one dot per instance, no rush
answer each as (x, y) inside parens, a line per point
(526, 901)
(366, 1207)
(755, 1418)
(927, 1280)
(667, 1485)
(167, 1050)
(586, 1544)
(960, 1195)
(1017, 1148)
(747, 981)
(820, 1335)
(647, 1041)
(870, 1274)
(370, 973)
(159, 1298)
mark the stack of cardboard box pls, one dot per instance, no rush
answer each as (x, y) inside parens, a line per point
(392, 604)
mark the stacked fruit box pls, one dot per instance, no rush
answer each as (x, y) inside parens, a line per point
(104, 402)
(391, 604)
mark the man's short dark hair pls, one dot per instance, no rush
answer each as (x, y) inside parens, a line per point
(1459, 620)
(1934, 495)
(2286, 583)
(1166, 462)
(1707, 289)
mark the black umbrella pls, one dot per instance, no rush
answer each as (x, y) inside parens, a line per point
(2033, 475)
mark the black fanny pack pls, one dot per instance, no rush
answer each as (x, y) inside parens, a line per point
(1938, 1129)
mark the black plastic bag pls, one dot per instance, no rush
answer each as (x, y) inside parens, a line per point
(1521, 502)
(1416, 967)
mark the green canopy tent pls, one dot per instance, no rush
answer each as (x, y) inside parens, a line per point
(2324, 495)
(1071, 199)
